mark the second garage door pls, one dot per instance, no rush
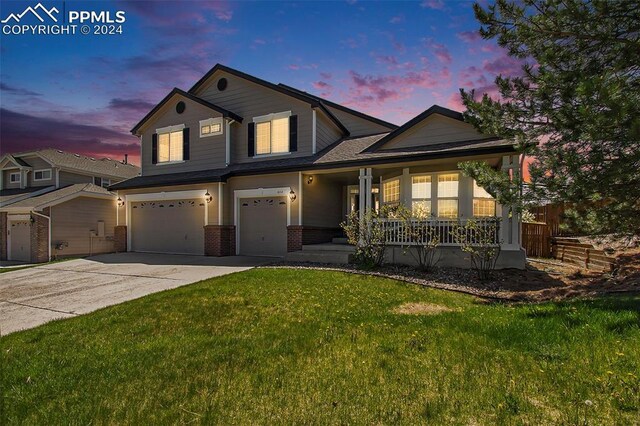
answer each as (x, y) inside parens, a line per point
(168, 226)
(263, 226)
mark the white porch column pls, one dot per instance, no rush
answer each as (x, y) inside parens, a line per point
(405, 188)
(368, 182)
(510, 224)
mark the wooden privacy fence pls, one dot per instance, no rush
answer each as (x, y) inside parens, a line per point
(584, 255)
(536, 239)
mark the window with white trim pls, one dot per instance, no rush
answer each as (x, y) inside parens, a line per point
(421, 195)
(15, 177)
(44, 174)
(170, 144)
(448, 185)
(391, 192)
(103, 182)
(211, 127)
(484, 205)
(272, 133)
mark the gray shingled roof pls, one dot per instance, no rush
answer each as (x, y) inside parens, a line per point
(41, 201)
(101, 166)
(345, 153)
(8, 196)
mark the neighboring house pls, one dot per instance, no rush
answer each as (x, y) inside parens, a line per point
(238, 165)
(54, 203)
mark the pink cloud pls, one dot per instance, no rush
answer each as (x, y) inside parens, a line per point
(439, 50)
(397, 19)
(326, 75)
(469, 36)
(433, 4)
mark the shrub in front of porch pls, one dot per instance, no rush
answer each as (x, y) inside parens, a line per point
(480, 241)
(421, 239)
(368, 235)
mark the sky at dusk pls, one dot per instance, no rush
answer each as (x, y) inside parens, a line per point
(389, 59)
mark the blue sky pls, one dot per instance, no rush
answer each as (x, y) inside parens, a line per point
(389, 59)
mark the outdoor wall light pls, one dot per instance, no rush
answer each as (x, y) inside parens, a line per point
(207, 197)
(292, 195)
(309, 180)
(120, 202)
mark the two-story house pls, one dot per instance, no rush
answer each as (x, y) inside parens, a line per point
(55, 203)
(238, 165)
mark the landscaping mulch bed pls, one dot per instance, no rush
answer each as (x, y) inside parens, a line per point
(542, 280)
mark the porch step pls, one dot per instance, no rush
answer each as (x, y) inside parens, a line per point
(320, 256)
(342, 240)
(329, 247)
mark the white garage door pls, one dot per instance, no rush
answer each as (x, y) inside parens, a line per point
(20, 244)
(263, 226)
(168, 226)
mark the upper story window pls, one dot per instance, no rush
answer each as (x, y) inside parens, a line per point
(211, 127)
(391, 192)
(272, 133)
(15, 177)
(421, 195)
(483, 203)
(44, 174)
(448, 195)
(101, 182)
(170, 144)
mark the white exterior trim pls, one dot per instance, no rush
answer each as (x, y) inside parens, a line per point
(314, 128)
(42, 170)
(210, 122)
(239, 194)
(159, 196)
(272, 116)
(169, 129)
(19, 181)
(300, 178)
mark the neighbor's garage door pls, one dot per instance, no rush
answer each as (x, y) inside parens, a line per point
(20, 234)
(263, 226)
(168, 226)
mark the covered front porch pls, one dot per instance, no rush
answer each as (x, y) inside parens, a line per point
(438, 194)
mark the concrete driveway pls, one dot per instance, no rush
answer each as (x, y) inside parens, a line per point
(34, 296)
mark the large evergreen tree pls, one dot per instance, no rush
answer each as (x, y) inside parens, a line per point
(575, 108)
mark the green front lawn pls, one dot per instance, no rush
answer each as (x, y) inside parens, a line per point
(298, 346)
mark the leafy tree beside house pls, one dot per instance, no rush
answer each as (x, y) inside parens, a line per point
(575, 108)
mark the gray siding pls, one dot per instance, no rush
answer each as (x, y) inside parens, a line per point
(357, 126)
(322, 202)
(435, 129)
(5, 179)
(73, 221)
(68, 178)
(204, 153)
(38, 163)
(251, 100)
(327, 132)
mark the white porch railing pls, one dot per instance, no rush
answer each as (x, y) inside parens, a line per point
(443, 229)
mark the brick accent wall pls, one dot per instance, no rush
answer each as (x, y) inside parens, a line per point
(120, 238)
(297, 236)
(294, 238)
(3, 230)
(40, 238)
(219, 240)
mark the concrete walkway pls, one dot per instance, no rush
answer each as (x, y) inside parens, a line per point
(34, 296)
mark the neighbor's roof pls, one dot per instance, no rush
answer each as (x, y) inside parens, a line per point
(55, 197)
(9, 196)
(349, 152)
(98, 166)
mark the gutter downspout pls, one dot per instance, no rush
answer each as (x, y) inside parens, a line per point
(49, 222)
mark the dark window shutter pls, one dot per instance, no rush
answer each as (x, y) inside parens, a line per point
(251, 139)
(154, 149)
(185, 143)
(293, 133)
